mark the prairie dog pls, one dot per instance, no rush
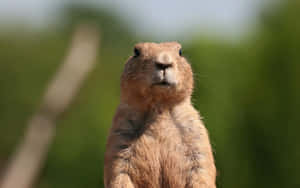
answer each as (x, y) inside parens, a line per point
(157, 138)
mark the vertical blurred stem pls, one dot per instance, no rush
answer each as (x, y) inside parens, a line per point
(30, 155)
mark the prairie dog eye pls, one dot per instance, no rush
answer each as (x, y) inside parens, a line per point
(180, 52)
(136, 52)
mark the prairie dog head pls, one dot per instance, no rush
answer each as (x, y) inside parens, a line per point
(156, 74)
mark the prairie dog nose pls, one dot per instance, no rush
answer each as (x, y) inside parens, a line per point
(164, 61)
(164, 58)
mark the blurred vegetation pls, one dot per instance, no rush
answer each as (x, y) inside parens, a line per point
(248, 93)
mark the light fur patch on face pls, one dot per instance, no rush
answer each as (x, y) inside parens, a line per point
(165, 58)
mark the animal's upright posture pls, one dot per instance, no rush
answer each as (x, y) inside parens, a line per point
(157, 138)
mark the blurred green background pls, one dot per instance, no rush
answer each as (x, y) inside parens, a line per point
(247, 90)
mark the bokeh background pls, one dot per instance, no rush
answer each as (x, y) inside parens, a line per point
(246, 59)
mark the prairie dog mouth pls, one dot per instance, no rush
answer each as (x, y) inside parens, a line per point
(164, 78)
(164, 83)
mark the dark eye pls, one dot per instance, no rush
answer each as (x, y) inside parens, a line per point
(136, 52)
(180, 52)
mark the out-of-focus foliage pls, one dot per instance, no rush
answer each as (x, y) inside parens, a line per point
(248, 93)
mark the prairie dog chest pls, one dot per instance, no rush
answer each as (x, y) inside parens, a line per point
(159, 139)
(162, 132)
(158, 153)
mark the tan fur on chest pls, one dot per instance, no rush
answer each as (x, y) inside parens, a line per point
(158, 153)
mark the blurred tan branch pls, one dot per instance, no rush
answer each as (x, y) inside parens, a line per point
(30, 155)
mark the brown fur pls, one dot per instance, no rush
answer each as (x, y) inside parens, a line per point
(157, 138)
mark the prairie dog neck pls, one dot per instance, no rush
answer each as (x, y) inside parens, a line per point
(158, 111)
